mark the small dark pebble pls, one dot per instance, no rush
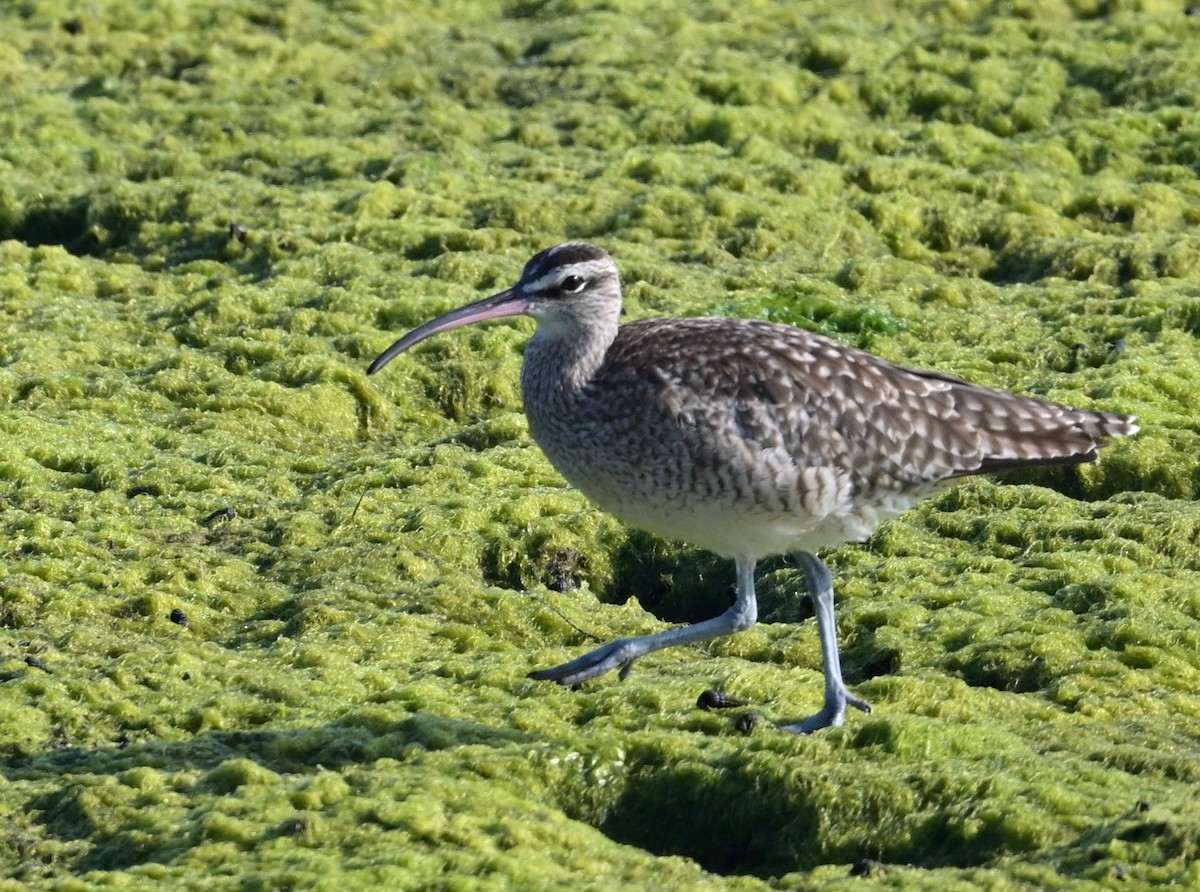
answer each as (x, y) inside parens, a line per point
(747, 722)
(227, 514)
(73, 26)
(1192, 10)
(562, 574)
(294, 826)
(1078, 354)
(34, 663)
(864, 867)
(1143, 805)
(23, 845)
(238, 232)
(180, 618)
(711, 699)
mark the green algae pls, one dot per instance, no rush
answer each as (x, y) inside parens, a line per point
(212, 215)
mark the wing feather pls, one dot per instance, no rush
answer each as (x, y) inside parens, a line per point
(830, 405)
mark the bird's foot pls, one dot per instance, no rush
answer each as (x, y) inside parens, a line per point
(619, 655)
(832, 714)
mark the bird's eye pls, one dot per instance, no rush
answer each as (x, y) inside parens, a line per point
(572, 284)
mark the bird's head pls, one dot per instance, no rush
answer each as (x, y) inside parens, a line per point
(571, 290)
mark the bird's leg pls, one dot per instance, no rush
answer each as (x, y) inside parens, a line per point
(621, 654)
(820, 587)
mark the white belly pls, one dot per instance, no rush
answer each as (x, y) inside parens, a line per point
(821, 512)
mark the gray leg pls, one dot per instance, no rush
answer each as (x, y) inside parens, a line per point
(820, 587)
(621, 654)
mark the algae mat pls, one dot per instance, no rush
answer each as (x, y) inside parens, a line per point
(265, 623)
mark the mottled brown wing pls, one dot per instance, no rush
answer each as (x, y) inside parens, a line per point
(833, 405)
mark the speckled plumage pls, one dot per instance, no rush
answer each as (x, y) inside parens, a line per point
(704, 429)
(748, 438)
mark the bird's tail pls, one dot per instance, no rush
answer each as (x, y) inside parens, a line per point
(1013, 431)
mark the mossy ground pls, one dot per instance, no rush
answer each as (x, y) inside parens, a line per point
(213, 214)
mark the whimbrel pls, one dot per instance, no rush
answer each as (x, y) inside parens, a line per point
(747, 438)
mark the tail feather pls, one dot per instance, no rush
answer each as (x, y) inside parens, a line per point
(1011, 431)
(959, 428)
(1075, 439)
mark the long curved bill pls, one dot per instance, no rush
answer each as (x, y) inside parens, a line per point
(509, 302)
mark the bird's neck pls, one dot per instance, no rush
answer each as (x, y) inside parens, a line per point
(560, 361)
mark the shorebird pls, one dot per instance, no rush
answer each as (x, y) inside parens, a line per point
(747, 438)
